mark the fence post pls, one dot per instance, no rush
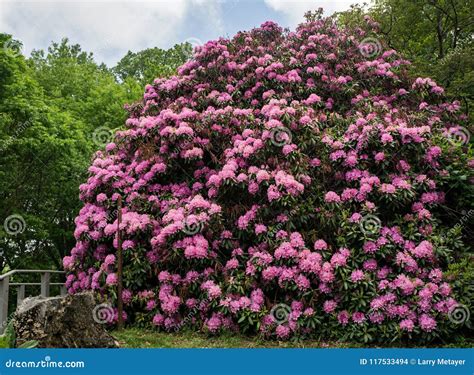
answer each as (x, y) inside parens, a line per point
(63, 290)
(4, 288)
(20, 294)
(45, 278)
(119, 264)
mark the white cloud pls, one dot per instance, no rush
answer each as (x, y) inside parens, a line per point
(295, 9)
(107, 28)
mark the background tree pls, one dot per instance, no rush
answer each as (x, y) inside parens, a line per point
(146, 65)
(74, 82)
(43, 157)
(435, 35)
(52, 106)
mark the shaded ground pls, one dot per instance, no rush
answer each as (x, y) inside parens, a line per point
(143, 338)
(140, 338)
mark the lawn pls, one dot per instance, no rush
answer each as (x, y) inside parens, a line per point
(143, 338)
(140, 338)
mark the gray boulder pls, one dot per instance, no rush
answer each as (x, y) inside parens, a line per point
(62, 322)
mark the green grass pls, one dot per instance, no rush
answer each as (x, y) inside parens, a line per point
(3, 343)
(141, 338)
(146, 338)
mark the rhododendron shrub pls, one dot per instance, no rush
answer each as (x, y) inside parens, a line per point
(285, 184)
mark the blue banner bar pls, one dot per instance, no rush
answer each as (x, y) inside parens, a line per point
(237, 361)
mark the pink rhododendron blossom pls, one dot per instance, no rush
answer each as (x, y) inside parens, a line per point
(111, 279)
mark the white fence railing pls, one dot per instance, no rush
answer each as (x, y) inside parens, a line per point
(6, 281)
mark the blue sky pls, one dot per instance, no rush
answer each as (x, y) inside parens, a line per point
(110, 28)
